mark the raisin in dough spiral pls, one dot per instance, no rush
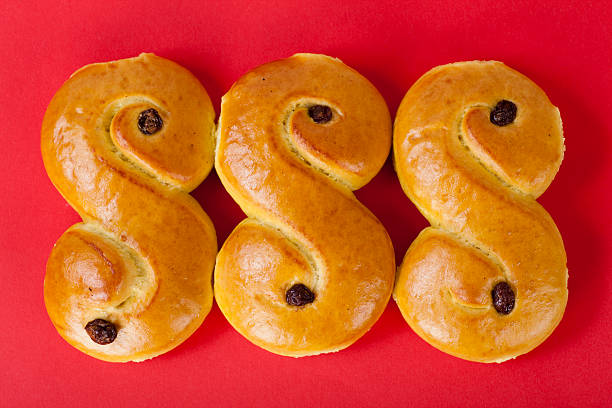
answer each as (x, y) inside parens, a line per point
(311, 269)
(488, 281)
(124, 142)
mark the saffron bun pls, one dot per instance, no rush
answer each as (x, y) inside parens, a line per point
(124, 142)
(475, 143)
(311, 269)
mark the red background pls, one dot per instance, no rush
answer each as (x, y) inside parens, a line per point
(565, 47)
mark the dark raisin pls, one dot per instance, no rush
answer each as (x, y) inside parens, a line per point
(320, 113)
(503, 114)
(149, 121)
(299, 295)
(101, 331)
(503, 298)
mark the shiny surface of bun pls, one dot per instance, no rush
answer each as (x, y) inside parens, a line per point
(124, 142)
(475, 143)
(311, 269)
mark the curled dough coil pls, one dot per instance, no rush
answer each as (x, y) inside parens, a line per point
(124, 142)
(311, 269)
(475, 143)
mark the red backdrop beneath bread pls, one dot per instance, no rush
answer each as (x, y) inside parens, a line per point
(564, 47)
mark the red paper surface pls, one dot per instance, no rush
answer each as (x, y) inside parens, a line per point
(563, 46)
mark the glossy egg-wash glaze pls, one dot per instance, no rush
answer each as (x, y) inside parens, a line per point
(293, 178)
(143, 256)
(476, 183)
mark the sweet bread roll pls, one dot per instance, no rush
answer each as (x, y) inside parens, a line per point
(475, 143)
(311, 269)
(124, 142)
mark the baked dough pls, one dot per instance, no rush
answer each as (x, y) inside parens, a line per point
(311, 269)
(124, 142)
(476, 182)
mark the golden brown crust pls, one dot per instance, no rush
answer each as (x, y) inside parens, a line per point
(476, 182)
(291, 176)
(143, 257)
